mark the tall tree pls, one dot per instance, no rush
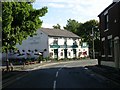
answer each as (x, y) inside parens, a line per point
(19, 20)
(85, 32)
(72, 25)
(57, 26)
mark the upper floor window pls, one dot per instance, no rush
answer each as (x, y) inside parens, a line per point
(84, 44)
(106, 21)
(55, 42)
(74, 43)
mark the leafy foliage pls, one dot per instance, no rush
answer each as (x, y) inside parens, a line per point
(84, 30)
(57, 26)
(19, 20)
(72, 25)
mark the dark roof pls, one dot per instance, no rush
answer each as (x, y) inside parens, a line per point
(106, 8)
(58, 33)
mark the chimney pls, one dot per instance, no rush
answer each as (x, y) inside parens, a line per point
(116, 0)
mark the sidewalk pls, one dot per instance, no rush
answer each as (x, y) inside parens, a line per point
(107, 72)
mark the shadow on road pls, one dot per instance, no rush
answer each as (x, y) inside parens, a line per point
(106, 71)
(62, 77)
(7, 75)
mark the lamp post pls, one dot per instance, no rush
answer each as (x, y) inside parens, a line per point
(93, 45)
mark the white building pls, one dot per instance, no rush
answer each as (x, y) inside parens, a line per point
(54, 43)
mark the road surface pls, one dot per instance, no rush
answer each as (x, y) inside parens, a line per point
(63, 75)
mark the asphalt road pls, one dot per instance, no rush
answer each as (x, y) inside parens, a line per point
(64, 75)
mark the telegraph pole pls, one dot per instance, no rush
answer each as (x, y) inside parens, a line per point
(93, 44)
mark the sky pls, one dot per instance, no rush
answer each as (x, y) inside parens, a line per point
(59, 11)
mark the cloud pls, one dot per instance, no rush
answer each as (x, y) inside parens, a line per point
(47, 25)
(56, 5)
(80, 10)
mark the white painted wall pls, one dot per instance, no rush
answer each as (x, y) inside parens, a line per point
(70, 42)
(39, 42)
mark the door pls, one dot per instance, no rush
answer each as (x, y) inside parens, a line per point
(74, 53)
(117, 53)
(65, 53)
(55, 53)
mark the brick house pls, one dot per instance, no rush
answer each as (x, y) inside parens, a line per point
(110, 34)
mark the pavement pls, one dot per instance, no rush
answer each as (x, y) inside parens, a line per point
(110, 73)
(19, 71)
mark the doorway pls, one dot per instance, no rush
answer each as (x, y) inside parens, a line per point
(74, 53)
(65, 53)
(56, 53)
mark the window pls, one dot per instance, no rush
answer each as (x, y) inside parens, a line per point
(109, 46)
(80, 53)
(74, 43)
(55, 42)
(61, 53)
(51, 54)
(69, 54)
(36, 50)
(23, 50)
(84, 44)
(65, 41)
(29, 50)
(80, 43)
(106, 21)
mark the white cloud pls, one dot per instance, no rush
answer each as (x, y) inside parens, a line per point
(46, 25)
(80, 10)
(56, 5)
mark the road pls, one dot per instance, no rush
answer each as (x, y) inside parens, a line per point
(62, 75)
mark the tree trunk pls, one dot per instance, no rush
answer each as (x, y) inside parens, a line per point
(7, 61)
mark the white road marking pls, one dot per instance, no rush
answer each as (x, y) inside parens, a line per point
(57, 74)
(54, 85)
(60, 68)
(85, 68)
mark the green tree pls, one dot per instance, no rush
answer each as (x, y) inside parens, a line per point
(85, 32)
(57, 26)
(19, 20)
(72, 25)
